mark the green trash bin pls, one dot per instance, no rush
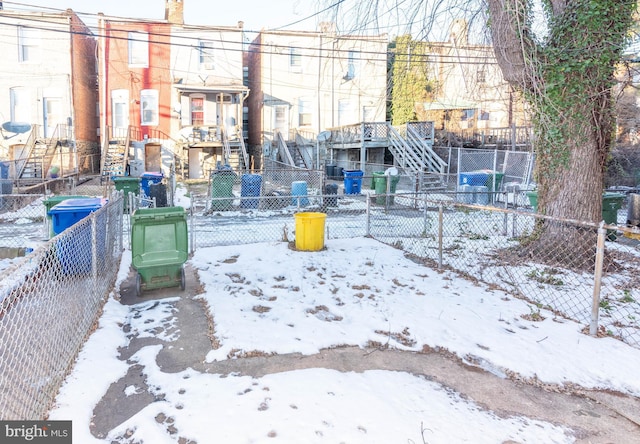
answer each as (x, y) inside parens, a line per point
(611, 203)
(533, 199)
(380, 180)
(127, 184)
(159, 247)
(51, 202)
(222, 187)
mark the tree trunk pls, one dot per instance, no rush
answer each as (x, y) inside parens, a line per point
(568, 82)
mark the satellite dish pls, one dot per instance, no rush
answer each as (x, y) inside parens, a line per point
(324, 136)
(16, 127)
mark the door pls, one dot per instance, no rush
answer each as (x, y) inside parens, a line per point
(52, 115)
(281, 120)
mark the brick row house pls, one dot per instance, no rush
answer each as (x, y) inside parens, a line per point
(172, 92)
(48, 105)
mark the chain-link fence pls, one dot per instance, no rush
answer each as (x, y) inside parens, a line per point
(49, 301)
(504, 247)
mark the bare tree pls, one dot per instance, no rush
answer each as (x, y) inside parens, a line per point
(568, 78)
(562, 57)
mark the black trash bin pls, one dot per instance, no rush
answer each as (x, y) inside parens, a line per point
(330, 171)
(159, 191)
(331, 195)
(633, 211)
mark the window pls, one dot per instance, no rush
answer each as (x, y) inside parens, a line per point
(481, 76)
(139, 49)
(304, 112)
(353, 65)
(484, 115)
(206, 49)
(149, 107)
(346, 114)
(295, 59)
(20, 102)
(467, 114)
(119, 110)
(28, 44)
(197, 110)
(368, 113)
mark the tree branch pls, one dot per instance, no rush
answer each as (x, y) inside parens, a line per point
(514, 48)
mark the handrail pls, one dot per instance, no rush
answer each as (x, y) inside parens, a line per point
(226, 146)
(283, 145)
(29, 145)
(436, 163)
(245, 154)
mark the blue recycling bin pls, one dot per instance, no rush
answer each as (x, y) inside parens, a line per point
(250, 186)
(299, 193)
(71, 211)
(474, 178)
(74, 252)
(353, 181)
(147, 179)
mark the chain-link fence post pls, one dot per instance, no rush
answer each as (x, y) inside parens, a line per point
(440, 233)
(192, 230)
(94, 248)
(425, 223)
(595, 308)
(368, 230)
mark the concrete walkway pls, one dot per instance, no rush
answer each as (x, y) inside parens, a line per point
(597, 417)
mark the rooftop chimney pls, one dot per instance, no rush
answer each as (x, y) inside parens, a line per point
(174, 11)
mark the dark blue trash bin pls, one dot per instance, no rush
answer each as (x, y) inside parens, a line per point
(250, 186)
(147, 179)
(74, 252)
(353, 181)
(4, 170)
(6, 185)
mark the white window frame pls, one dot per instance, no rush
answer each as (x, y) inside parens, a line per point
(138, 49)
(353, 64)
(346, 112)
(29, 42)
(149, 107)
(206, 50)
(20, 102)
(295, 58)
(204, 107)
(305, 108)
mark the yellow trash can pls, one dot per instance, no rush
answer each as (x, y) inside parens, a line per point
(310, 231)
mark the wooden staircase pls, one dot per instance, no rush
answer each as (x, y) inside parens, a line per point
(235, 154)
(38, 153)
(411, 146)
